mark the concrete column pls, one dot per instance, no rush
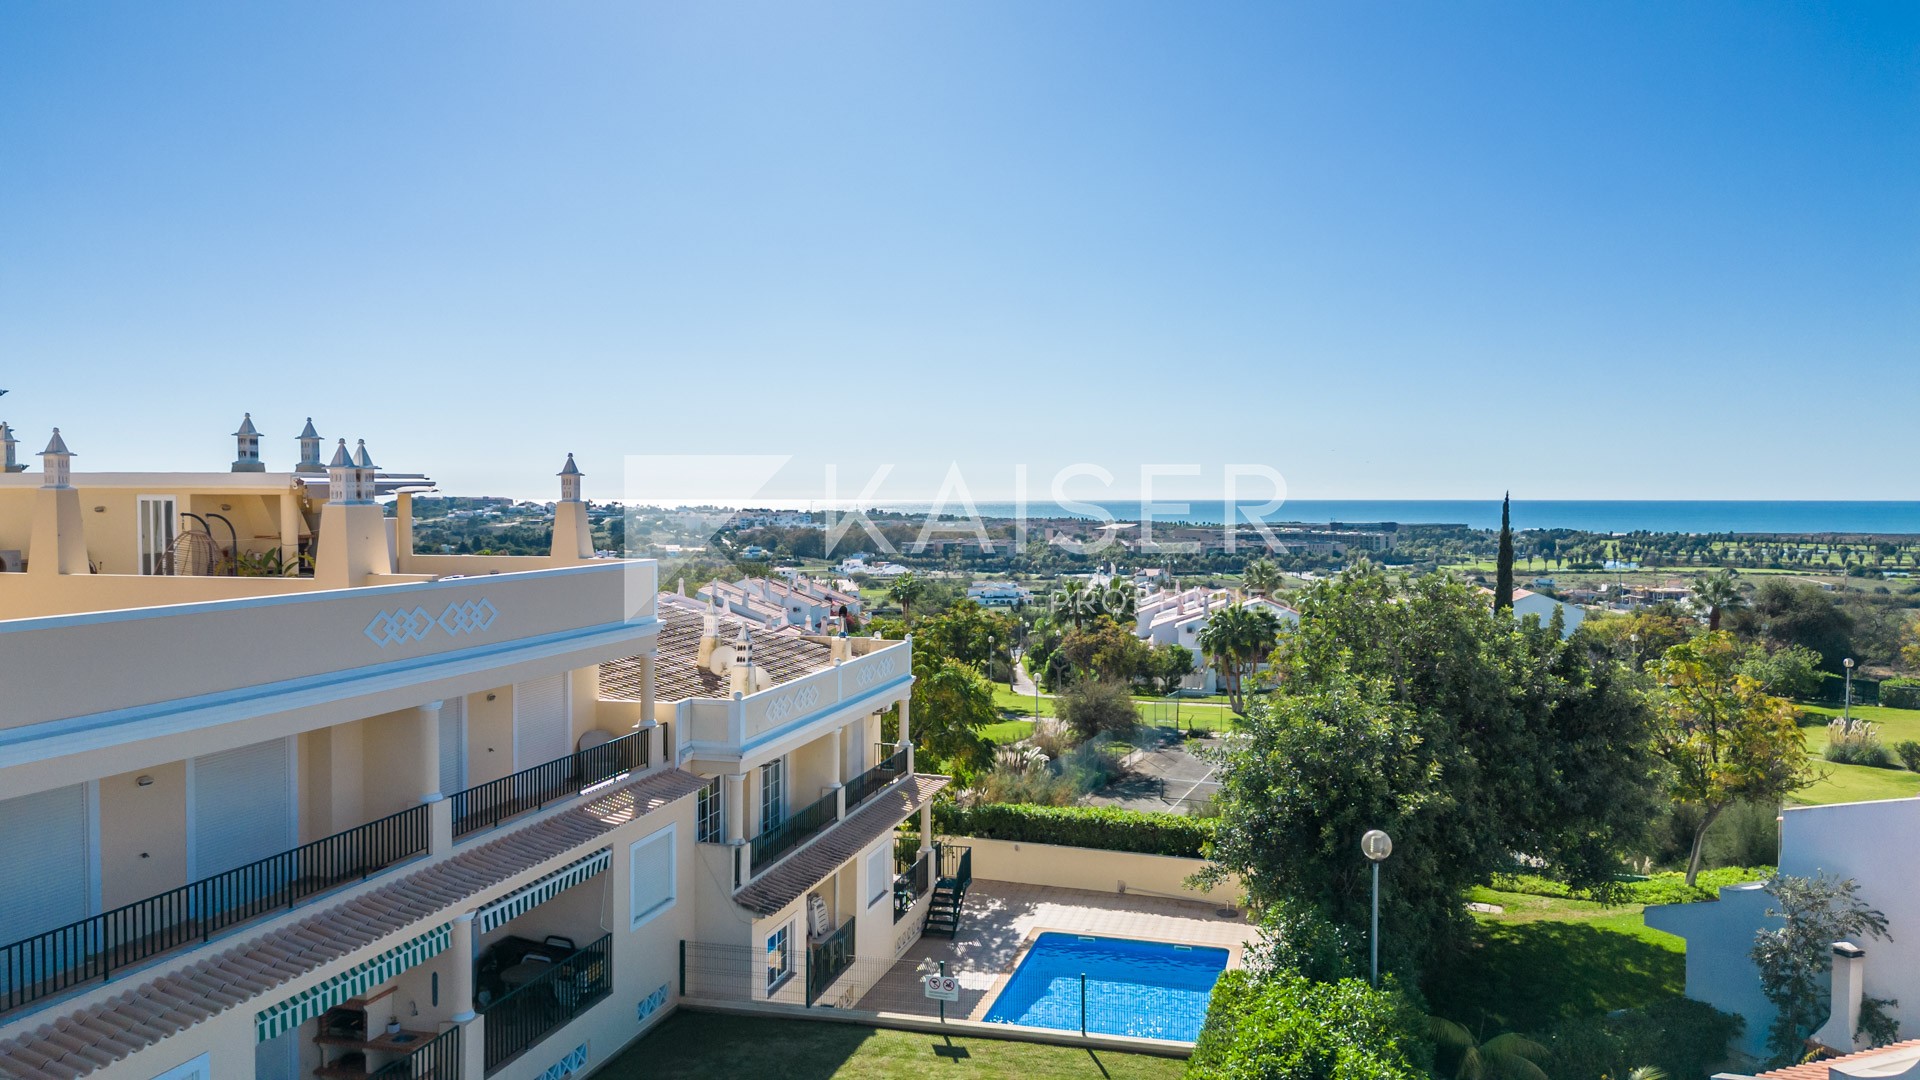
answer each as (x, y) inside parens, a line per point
(460, 988)
(427, 745)
(290, 528)
(646, 709)
(926, 826)
(736, 806)
(473, 1047)
(440, 826)
(403, 532)
(650, 738)
(839, 785)
(906, 737)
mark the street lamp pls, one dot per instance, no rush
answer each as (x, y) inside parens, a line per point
(1376, 845)
(1846, 707)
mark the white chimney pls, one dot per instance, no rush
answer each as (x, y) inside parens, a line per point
(1849, 986)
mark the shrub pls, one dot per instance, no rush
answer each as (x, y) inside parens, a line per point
(1856, 742)
(1285, 1026)
(1664, 888)
(1095, 707)
(1909, 752)
(1900, 693)
(1685, 1039)
(1106, 828)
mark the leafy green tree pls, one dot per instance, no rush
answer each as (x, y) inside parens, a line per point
(1790, 672)
(951, 702)
(1094, 707)
(1726, 738)
(966, 631)
(1718, 593)
(1236, 639)
(1262, 577)
(904, 590)
(1103, 649)
(1795, 958)
(1285, 1026)
(1170, 663)
(1503, 565)
(1788, 614)
(1409, 707)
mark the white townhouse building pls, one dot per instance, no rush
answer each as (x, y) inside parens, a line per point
(281, 798)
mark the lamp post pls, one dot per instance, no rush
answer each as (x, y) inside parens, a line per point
(1846, 707)
(1376, 845)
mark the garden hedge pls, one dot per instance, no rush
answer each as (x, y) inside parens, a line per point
(1105, 828)
(1900, 693)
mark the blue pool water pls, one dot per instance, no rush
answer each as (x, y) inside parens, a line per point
(1142, 988)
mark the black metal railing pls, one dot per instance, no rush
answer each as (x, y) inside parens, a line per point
(828, 960)
(524, 1015)
(437, 1060)
(488, 804)
(96, 947)
(911, 884)
(956, 864)
(867, 783)
(791, 833)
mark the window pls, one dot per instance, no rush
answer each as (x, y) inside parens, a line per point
(708, 823)
(773, 793)
(650, 876)
(879, 873)
(158, 518)
(779, 958)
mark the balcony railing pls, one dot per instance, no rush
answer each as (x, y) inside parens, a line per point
(523, 1016)
(96, 947)
(828, 960)
(437, 1060)
(867, 783)
(797, 829)
(488, 804)
(912, 884)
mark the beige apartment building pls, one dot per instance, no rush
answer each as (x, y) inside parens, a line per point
(280, 798)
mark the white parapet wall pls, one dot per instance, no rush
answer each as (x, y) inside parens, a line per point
(1123, 872)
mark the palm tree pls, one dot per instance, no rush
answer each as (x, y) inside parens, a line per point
(904, 590)
(1236, 639)
(1119, 601)
(1262, 577)
(1510, 1056)
(1718, 592)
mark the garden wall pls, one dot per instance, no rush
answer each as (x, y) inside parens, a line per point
(1095, 871)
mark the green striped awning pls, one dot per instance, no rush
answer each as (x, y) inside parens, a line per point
(526, 899)
(309, 1003)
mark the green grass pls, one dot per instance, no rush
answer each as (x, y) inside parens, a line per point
(1859, 783)
(1007, 731)
(706, 1046)
(1545, 958)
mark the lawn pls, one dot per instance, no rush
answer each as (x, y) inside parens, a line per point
(707, 1046)
(1007, 731)
(1859, 783)
(1545, 958)
(1202, 715)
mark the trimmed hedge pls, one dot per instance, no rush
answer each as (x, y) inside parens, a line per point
(1900, 693)
(1105, 828)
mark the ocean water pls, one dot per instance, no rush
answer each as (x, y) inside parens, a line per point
(1147, 989)
(1684, 516)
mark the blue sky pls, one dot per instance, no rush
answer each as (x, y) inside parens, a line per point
(1413, 250)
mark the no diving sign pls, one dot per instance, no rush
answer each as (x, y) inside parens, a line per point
(941, 987)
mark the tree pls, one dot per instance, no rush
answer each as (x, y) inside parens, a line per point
(1407, 706)
(1104, 649)
(1503, 567)
(1169, 664)
(1095, 707)
(1285, 1026)
(1718, 593)
(1794, 959)
(951, 702)
(1509, 1056)
(1790, 672)
(1262, 577)
(1236, 639)
(904, 590)
(1806, 615)
(1726, 738)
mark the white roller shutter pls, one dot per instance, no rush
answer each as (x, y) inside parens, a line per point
(242, 806)
(542, 732)
(453, 745)
(46, 853)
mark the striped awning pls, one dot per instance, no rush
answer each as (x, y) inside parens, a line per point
(526, 899)
(309, 1003)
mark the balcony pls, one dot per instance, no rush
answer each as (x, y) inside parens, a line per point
(863, 787)
(437, 1060)
(232, 655)
(733, 727)
(828, 959)
(491, 803)
(97, 947)
(915, 878)
(524, 1016)
(796, 829)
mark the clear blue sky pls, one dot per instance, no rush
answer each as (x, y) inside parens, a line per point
(1635, 250)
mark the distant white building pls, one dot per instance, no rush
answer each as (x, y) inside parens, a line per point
(999, 594)
(1176, 618)
(1527, 602)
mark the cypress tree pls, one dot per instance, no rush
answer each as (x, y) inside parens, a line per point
(1503, 573)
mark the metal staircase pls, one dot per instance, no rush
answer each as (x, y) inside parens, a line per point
(949, 889)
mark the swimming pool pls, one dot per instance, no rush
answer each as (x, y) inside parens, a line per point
(1146, 988)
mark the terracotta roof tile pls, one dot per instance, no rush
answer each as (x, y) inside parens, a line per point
(80, 1042)
(1817, 1070)
(808, 866)
(676, 673)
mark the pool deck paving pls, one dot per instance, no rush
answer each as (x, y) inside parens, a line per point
(1002, 918)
